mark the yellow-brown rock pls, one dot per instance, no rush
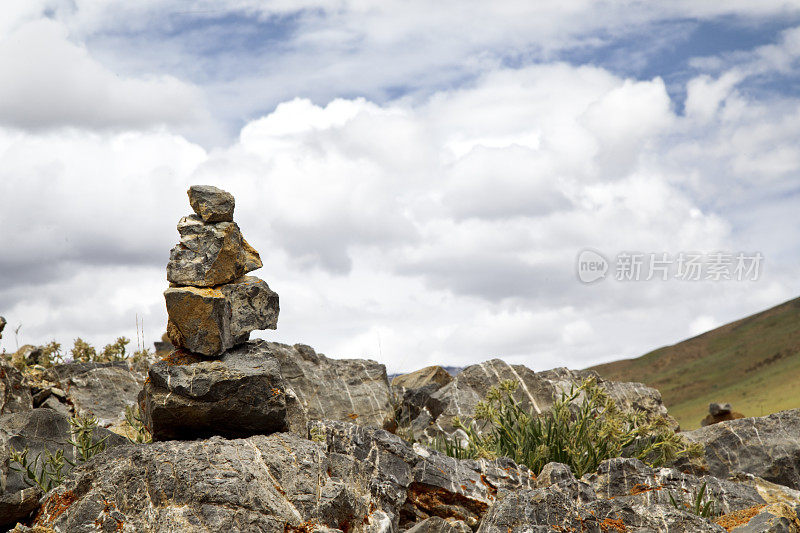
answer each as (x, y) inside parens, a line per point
(425, 376)
(210, 254)
(212, 320)
(211, 204)
(198, 319)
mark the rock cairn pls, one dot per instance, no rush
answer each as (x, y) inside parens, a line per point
(212, 305)
(216, 382)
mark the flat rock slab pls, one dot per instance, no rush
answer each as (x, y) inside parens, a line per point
(212, 320)
(104, 390)
(241, 394)
(767, 447)
(211, 204)
(355, 390)
(210, 254)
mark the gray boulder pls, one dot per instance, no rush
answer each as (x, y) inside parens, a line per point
(536, 392)
(104, 390)
(241, 394)
(211, 204)
(15, 395)
(348, 478)
(210, 321)
(768, 447)
(355, 390)
(210, 254)
(575, 505)
(34, 430)
(629, 481)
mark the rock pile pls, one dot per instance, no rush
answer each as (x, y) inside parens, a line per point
(215, 383)
(212, 305)
(720, 412)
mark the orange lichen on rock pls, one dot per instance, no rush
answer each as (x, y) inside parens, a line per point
(440, 502)
(641, 488)
(305, 527)
(54, 507)
(181, 357)
(613, 524)
(735, 519)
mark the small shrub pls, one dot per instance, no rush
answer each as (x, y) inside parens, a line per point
(113, 352)
(45, 471)
(455, 448)
(83, 351)
(51, 354)
(582, 429)
(138, 434)
(700, 503)
(82, 432)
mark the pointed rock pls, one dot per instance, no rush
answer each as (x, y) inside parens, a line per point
(211, 204)
(210, 254)
(209, 321)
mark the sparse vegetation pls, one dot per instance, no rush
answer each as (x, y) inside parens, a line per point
(583, 428)
(138, 433)
(699, 503)
(51, 354)
(46, 469)
(82, 433)
(113, 352)
(82, 351)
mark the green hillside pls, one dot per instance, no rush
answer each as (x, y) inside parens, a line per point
(753, 363)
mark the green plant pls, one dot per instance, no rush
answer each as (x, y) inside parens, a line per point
(51, 354)
(82, 351)
(81, 430)
(700, 503)
(318, 434)
(114, 351)
(138, 434)
(45, 471)
(454, 448)
(583, 428)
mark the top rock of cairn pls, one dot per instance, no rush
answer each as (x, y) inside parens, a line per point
(211, 204)
(212, 305)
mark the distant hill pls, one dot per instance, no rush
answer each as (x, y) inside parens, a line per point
(753, 363)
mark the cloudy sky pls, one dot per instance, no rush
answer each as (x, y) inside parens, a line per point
(418, 177)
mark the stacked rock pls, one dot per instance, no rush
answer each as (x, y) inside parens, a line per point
(216, 381)
(212, 305)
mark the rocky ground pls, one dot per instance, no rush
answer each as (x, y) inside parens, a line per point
(309, 457)
(257, 436)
